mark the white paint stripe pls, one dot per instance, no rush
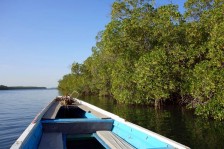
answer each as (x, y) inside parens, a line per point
(23, 136)
(146, 131)
(111, 115)
(27, 131)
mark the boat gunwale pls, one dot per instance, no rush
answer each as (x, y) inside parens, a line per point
(137, 127)
(22, 138)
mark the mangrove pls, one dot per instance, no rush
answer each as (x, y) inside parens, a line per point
(157, 56)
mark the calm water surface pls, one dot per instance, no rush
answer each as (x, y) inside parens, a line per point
(19, 107)
(175, 123)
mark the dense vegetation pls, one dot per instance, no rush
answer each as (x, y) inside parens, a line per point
(149, 55)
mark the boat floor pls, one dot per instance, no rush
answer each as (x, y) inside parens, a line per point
(51, 141)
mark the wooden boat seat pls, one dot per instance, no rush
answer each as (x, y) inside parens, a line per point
(113, 141)
(51, 141)
(77, 126)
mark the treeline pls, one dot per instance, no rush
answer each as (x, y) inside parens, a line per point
(3, 87)
(149, 55)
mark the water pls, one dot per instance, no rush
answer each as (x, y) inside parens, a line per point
(175, 123)
(19, 107)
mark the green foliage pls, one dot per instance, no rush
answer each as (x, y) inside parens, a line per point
(205, 39)
(148, 55)
(154, 77)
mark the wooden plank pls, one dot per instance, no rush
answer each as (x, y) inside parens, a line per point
(113, 141)
(144, 131)
(77, 126)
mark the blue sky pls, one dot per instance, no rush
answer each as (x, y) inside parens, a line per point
(40, 39)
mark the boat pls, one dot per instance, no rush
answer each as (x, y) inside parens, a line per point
(72, 123)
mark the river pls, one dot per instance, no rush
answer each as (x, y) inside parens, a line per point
(19, 107)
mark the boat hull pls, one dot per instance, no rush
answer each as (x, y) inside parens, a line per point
(81, 122)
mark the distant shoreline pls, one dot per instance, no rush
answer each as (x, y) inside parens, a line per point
(2, 87)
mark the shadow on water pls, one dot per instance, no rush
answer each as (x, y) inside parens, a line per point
(173, 122)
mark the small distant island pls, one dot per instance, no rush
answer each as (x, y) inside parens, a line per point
(3, 87)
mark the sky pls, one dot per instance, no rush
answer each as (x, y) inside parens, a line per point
(40, 39)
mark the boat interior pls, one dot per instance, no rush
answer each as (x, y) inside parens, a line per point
(79, 126)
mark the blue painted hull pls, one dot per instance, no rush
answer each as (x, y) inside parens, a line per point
(89, 123)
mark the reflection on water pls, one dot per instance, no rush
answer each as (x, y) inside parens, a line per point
(175, 123)
(19, 107)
